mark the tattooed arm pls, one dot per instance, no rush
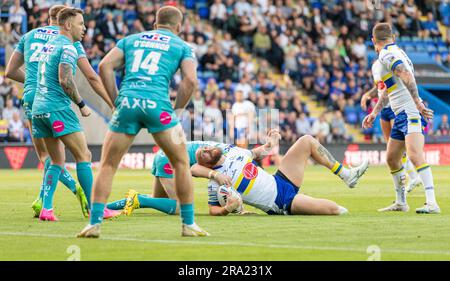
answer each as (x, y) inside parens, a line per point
(67, 82)
(382, 102)
(410, 83)
(372, 93)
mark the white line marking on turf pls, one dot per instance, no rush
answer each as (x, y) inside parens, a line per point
(231, 243)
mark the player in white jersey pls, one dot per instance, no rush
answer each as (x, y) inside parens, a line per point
(275, 194)
(397, 73)
(387, 122)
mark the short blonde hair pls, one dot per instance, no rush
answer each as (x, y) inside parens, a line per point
(382, 31)
(65, 14)
(54, 11)
(169, 15)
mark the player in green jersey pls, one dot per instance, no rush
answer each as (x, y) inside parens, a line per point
(150, 60)
(27, 53)
(53, 119)
(164, 197)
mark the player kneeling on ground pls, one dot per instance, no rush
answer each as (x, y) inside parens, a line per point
(277, 194)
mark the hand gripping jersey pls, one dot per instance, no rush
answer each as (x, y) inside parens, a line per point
(256, 186)
(399, 97)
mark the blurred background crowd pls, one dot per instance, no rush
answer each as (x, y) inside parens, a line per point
(307, 58)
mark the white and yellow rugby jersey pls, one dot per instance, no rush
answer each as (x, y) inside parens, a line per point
(257, 187)
(376, 74)
(399, 97)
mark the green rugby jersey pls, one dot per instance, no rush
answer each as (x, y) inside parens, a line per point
(151, 60)
(50, 95)
(30, 46)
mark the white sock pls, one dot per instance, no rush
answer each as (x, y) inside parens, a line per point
(426, 176)
(339, 170)
(399, 178)
(342, 210)
(411, 170)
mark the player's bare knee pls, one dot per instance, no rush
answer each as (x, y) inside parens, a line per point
(393, 161)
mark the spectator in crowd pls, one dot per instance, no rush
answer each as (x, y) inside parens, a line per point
(430, 26)
(5, 88)
(16, 128)
(303, 125)
(241, 122)
(3, 129)
(9, 110)
(338, 130)
(16, 13)
(444, 127)
(261, 42)
(213, 122)
(6, 36)
(218, 14)
(321, 129)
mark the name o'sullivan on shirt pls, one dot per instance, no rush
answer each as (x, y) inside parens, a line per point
(226, 270)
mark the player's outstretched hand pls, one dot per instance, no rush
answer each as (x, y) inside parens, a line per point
(85, 111)
(223, 179)
(426, 112)
(273, 138)
(368, 121)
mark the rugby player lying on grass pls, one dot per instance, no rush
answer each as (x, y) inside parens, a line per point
(164, 197)
(274, 194)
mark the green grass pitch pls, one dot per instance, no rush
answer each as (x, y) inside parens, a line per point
(151, 235)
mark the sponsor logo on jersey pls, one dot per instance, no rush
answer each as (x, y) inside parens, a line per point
(47, 31)
(250, 171)
(156, 37)
(47, 49)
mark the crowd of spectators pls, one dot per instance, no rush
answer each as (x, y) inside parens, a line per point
(12, 126)
(271, 53)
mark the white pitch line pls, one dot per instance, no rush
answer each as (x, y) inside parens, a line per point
(231, 243)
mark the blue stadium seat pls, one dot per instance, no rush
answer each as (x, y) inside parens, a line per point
(436, 122)
(442, 49)
(2, 57)
(420, 47)
(189, 4)
(410, 48)
(431, 48)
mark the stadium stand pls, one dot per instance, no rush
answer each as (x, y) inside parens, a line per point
(308, 59)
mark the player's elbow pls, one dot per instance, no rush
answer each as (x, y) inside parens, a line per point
(191, 82)
(103, 67)
(9, 72)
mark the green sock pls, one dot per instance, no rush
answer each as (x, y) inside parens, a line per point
(47, 163)
(85, 178)
(67, 179)
(97, 213)
(50, 183)
(117, 205)
(187, 213)
(165, 205)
